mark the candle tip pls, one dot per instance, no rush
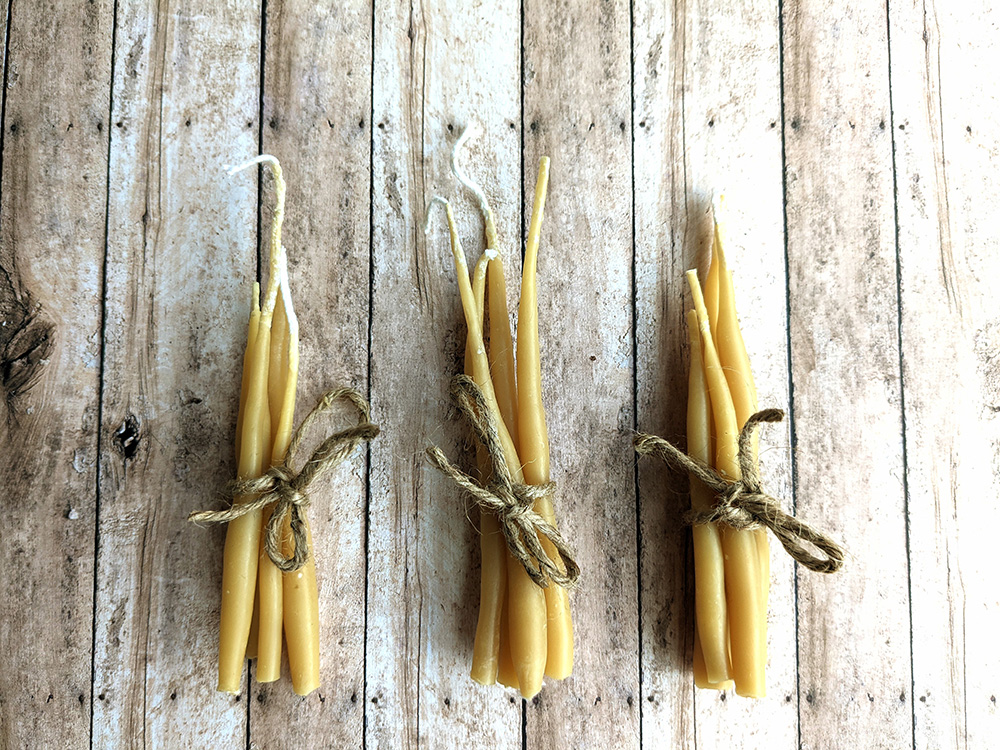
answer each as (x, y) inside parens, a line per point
(286, 295)
(719, 207)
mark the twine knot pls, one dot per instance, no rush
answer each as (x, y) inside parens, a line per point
(288, 489)
(511, 502)
(743, 504)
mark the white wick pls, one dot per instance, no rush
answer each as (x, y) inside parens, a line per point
(286, 295)
(471, 131)
(271, 161)
(437, 199)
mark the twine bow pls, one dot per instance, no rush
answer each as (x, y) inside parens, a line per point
(287, 489)
(511, 502)
(743, 504)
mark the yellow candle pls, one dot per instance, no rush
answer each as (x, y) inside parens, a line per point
(491, 660)
(493, 576)
(700, 672)
(739, 547)
(251, 651)
(301, 603)
(239, 567)
(710, 591)
(729, 339)
(533, 433)
(712, 289)
(506, 674)
(269, 589)
(247, 359)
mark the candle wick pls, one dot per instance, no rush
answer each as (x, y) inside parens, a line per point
(435, 200)
(286, 295)
(472, 130)
(268, 159)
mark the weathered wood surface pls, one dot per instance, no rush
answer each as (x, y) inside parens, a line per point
(576, 110)
(54, 138)
(180, 260)
(859, 152)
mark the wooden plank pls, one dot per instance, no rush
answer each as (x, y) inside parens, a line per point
(947, 162)
(577, 110)
(181, 260)
(708, 107)
(4, 14)
(433, 72)
(317, 121)
(854, 639)
(662, 254)
(54, 171)
(474, 66)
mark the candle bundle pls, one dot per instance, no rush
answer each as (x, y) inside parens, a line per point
(730, 512)
(732, 566)
(525, 629)
(268, 575)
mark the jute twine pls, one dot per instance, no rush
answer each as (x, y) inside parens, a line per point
(512, 503)
(742, 504)
(287, 489)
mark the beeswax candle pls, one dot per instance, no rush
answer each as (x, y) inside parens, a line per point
(712, 629)
(533, 433)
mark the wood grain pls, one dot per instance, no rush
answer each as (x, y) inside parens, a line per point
(423, 576)
(946, 170)
(317, 121)
(577, 111)
(854, 639)
(180, 264)
(662, 253)
(54, 143)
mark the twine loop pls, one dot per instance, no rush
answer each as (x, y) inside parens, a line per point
(511, 502)
(288, 489)
(743, 504)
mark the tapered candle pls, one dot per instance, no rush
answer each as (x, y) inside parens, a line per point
(493, 548)
(491, 647)
(533, 432)
(710, 590)
(300, 596)
(501, 349)
(269, 588)
(240, 558)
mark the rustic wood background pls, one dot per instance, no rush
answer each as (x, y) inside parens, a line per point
(858, 145)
